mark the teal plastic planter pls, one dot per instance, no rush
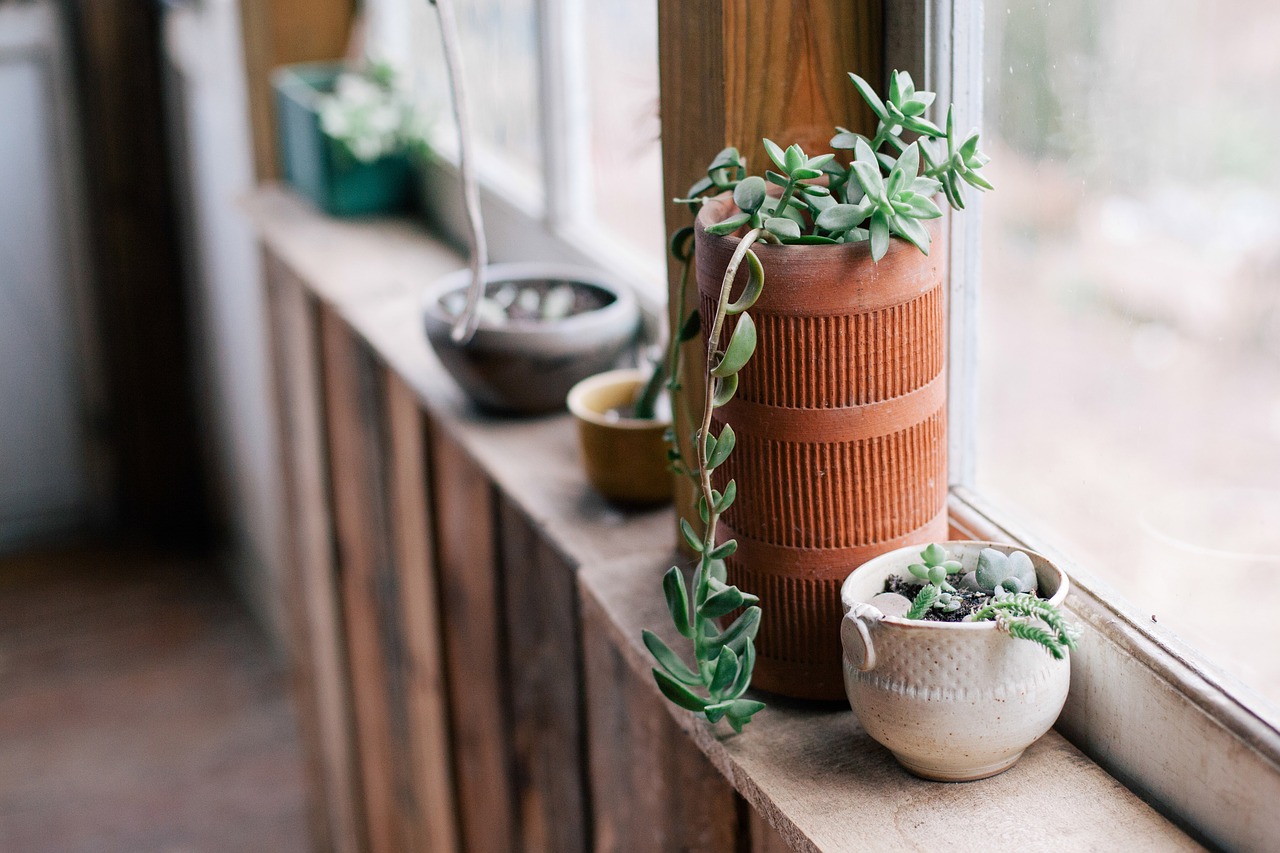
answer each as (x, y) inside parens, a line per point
(322, 169)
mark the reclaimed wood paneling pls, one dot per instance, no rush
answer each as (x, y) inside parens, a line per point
(475, 647)
(432, 819)
(365, 576)
(313, 612)
(545, 677)
(649, 790)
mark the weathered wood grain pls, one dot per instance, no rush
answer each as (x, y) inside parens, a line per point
(354, 418)
(651, 789)
(431, 821)
(312, 609)
(545, 677)
(475, 647)
(764, 838)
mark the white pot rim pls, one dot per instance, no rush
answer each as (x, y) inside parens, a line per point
(902, 557)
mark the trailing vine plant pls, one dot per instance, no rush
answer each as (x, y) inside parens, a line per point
(886, 189)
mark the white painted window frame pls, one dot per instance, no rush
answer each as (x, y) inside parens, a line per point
(1198, 744)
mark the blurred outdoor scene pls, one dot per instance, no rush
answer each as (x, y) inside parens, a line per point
(1130, 321)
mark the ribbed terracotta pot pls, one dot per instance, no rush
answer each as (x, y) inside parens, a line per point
(841, 423)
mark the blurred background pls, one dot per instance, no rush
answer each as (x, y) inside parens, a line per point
(1128, 383)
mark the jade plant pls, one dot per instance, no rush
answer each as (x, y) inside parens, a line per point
(883, 187)
(1002, 589)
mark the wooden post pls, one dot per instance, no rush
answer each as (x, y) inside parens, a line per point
(278, 32)
(733, 72)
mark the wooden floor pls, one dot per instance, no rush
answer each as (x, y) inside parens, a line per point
(140, 710)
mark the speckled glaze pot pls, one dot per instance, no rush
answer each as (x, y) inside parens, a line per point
(952, 701)
(841, 424)
(625, 458)
(527, 367)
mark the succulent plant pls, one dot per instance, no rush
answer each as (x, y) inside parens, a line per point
(1028, 617)
(887, 189)
(933, 569)
(1001, 574)
(1009, 582)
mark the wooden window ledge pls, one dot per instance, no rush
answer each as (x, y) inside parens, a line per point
(806, 771)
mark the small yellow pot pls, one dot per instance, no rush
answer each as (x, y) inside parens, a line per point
(625, 458)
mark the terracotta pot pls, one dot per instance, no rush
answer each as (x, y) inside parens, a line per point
(527, 367)
(841, 422)
(625, 458)
(953, 701)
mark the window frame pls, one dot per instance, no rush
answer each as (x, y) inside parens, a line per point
(1193, 741)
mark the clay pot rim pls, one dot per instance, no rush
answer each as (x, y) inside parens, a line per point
(633, 376)
(849, 601)
(623, 306)
(725, 200)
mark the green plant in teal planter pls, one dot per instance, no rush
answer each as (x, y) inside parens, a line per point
(348, 140)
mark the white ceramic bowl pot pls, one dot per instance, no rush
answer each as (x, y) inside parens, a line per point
(953, 701)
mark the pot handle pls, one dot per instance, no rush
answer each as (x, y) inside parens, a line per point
(856, 638)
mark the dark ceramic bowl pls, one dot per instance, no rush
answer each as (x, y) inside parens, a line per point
(528, 366)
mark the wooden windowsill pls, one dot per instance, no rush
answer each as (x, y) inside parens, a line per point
(808, 770)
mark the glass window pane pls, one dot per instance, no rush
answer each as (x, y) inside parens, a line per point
(500, 52)
(626, 159)
(1130, 328)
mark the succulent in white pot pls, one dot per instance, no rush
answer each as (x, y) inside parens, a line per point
(956, 656)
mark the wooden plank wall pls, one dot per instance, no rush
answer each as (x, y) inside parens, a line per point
(457, 690)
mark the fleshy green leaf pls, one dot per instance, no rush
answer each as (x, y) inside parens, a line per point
(728, 226)
(681, 244)
(730, 494)
(795, 160)
(677, 596)
(782, 226)
(776, 154)
(879, 235)
(741, 346)
(726, 672)
(747, 663)
(755, 285)
(692, 327)
(723, 447)
(743, 629)
(913, 231)
(725, 601)
(934, 555)
(842, 217)
(810, 240)
(869, 95)
(690, 535)
(724, 549)
(724, 390)
(678, 693)
(669, 661)
(699, 188)
(749, 194)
